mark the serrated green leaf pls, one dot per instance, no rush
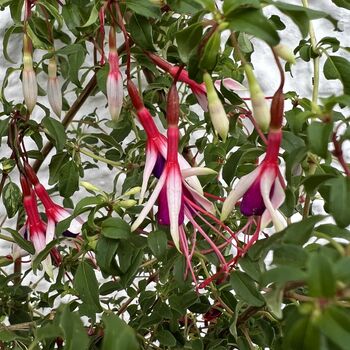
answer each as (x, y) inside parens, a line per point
(117, 334)
(11, 197)
(115, 228)
(85, 283)
(56, 132)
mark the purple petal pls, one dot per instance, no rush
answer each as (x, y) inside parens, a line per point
(163, 210)
(252, 201)
(159, 166)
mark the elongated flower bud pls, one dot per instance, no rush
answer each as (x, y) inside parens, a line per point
(30, 87)
(261, 111)
(54, 92)
(285, 53)
(114, 79)
(216, 110)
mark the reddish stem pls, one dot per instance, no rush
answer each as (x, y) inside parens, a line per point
(338, 152)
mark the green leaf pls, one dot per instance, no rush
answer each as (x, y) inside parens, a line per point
(211, 51)
(319, 136)
(11, 197)
(117, 334)
(144, 8)
(68, 179)
(23, 243)
(16, 28)
(75, 334)
(115, 228)
(245, 289)
(253, 21)
(85, 283)
(342, 3)
(339, 199)
(321, 280)
(299, 232)
(282, 274)
(335, 324)
(188, 40)
(231, 5)
(55, 131)
(106, 250)
(141, 32)
(166, 338)
(290, 255)
(93, 19)
(300, 15)
(55, 166)
(337, 67)
(43, 254)
(158, 243)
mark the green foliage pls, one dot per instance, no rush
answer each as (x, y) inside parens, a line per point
(119, 287)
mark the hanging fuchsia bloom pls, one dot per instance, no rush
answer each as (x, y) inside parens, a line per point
(114, 79)
(54, 212)
(156, 148)
(199, 90)
(262, 191)
(35, 225)
(30, 86)
(54, 92)
(177, 200)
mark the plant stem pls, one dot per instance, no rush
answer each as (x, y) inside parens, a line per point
(99, 158)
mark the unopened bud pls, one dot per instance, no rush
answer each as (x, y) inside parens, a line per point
(114, 94)
(216, 110)
(132, 191)
(90, 187)
(261, 112)
(30, 87)
(285, 53)
(54, 92)
(127, 203)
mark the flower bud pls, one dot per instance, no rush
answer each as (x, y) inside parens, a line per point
(114, 79)
(132, 191)
(285, 53)
(90, 187)
(216, 110)
(54, 92)
(30, 87)
(128, 203)
(261, 112)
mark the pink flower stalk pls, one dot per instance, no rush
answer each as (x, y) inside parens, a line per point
(30, 86)
(114, 79)
(54, 92)
(35, 225)
(54, 212)
(199, 90)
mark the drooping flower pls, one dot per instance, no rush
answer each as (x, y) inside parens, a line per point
(177, 200)
(114, 78)
(30, 86)
(157, 147)
(54, 92)
(262, 190)
(54, 212)
(35, 225)
(216, 110)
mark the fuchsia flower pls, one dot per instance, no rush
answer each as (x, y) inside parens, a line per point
(54, 212)
(199, 90)
(114, 79)
(36, 227)
(262, 191)
(177, 199)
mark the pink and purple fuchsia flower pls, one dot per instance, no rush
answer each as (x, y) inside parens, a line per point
(178, 201)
